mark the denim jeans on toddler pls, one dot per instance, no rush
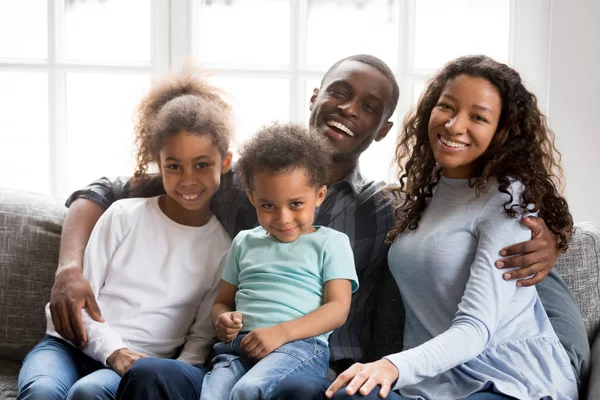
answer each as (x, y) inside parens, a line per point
(235, 376)
(54, 369)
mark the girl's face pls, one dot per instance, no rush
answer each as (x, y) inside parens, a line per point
(285, 203)
(191, 166)
(463, 123)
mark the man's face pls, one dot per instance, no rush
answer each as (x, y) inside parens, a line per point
(351, 108)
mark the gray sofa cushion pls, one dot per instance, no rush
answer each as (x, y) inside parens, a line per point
(30, 227)
(579, 269)
(9, 372)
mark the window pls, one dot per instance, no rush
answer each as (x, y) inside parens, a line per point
(71, 79)
(69, 83)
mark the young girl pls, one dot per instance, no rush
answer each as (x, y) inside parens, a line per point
(287, 284)
(479, 156)
(154, 264)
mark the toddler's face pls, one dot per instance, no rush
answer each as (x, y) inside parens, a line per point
(285, 203)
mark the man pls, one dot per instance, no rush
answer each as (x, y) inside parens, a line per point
(352, 108)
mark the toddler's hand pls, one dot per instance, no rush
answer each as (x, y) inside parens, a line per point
(262, 341)
(228, 325)
(121, 360)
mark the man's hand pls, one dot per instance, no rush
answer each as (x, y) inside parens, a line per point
(121, 360)
(535, 257)
(72, 292)
(262, 341)
(228, 325)
(363, 378)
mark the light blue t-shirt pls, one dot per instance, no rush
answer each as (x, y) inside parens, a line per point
(279, 282)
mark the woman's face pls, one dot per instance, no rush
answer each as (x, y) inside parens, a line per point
(463, 123)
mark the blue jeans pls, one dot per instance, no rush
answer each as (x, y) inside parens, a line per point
(158, 379)
(235, 376)
(54, 369)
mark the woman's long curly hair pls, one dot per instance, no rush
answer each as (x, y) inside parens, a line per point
(181, 102)
(522, 148)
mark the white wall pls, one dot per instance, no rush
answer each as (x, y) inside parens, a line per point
(574, 101)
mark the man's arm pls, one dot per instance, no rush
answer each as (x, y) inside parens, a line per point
(535, 258)
(71, 291)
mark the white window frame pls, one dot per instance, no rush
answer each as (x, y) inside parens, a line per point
(529, 45)
(57, 69)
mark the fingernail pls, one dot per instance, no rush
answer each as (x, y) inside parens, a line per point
(507, 276)
(519, 284)
(500, 264)
(502, 252)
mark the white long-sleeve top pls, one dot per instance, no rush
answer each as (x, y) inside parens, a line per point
(155, 282)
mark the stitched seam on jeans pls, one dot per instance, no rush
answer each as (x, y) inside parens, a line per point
(293, 369)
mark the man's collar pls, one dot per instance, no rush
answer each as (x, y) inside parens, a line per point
(355, 179)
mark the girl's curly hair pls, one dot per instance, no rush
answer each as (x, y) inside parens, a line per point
(181, 102)
(522, 148)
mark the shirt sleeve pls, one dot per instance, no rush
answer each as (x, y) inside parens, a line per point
(486, 298)
(338, 261)
(201, 336)
(105, 191)
(231, 272)
(105, 239)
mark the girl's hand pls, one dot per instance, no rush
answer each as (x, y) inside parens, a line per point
(364, 377)
(262, 341)
(228, 325)
(121, 360)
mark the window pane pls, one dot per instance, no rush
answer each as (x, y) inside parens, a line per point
(108, 30)
(337, 29)
(255, 102)
(417, 91)
(26, 20)
(24, 131)
(445, 30)
(253, 32)
(100, 119)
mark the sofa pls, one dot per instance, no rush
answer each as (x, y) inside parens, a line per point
(30, 228)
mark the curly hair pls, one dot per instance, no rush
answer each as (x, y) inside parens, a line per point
(181, 102)
(522, 148)
(280, 148)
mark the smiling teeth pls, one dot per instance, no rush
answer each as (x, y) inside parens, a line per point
(341, 128)
(189, 196)
(452, 144)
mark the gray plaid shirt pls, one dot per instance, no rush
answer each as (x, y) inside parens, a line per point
(353, 206)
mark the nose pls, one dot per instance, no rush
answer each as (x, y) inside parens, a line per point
(350, 108)
(456, 125)
(188, 178)
(284, 216)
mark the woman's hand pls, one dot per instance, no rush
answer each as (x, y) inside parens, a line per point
(534, 258)
(363, 378)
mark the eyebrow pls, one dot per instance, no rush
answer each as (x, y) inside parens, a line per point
(193, 159)
(289, 200)
(345, 83)
(476, 106)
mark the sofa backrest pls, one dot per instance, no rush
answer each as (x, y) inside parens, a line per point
(30, 227)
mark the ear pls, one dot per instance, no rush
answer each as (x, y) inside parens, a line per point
(313, 98)
(384, 131)
(321, 192)
(250, 197)
(227, 162)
